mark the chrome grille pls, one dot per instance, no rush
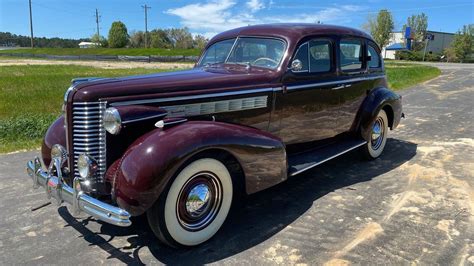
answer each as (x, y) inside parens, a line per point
(88, 135)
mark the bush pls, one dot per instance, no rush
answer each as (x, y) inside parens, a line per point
(25, 127)
(417, 56)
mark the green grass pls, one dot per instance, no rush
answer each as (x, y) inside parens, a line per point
(105, 51)
(404, 75)
(31, 96)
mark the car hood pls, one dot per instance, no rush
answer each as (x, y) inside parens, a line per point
(191, 81)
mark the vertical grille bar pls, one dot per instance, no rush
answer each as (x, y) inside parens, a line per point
(88, 135)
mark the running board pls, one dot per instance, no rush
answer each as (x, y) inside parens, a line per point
(299, 163)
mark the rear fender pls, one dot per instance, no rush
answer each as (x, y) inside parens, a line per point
(151, 161)
(379, 98)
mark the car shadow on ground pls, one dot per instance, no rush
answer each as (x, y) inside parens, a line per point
(262, 216)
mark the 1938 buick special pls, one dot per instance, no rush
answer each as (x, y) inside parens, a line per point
(262, 104)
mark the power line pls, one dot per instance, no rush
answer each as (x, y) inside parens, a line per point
(145, 7)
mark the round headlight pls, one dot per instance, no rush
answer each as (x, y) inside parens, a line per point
(86, 165)
(112, 121)
(59, 152)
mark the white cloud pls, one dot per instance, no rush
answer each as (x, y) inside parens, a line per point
(211, 15)
(255, 5)
(214, 16)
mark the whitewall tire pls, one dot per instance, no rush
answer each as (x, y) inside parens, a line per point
(377, 136)
(195, 205)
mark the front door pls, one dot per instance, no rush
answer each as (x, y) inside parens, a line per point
(306, 108)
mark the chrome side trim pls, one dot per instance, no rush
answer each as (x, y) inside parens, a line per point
(80, 201)
(329, 158)
(205, 108)
(336, 82)
(192, 97)
(144, 118)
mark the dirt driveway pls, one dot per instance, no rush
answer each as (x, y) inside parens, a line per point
(98, 64)
(415, 204)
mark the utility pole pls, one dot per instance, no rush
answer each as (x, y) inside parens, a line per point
(97, 22)
(145, 7)
(31, 25)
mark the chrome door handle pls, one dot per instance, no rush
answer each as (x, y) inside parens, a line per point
(338, 87)
(341, 86)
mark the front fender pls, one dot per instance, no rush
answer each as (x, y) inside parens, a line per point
(376, 100)
(151, 161)
(56, 134)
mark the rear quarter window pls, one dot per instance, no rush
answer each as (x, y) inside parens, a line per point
(374, 61)
(350, 54)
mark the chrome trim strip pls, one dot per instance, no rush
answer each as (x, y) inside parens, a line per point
(144, 118)
(192, 97)
(335, 82)
(329, 158)
(205, 108)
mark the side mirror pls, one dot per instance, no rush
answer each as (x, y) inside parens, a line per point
(296, 65)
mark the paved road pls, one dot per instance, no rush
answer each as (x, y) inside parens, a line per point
(414, 204)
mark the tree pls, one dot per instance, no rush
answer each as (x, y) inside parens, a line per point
(200, 42)
(137, 39)
(463, 42)
(159, 39)
(380, 27)
(118, 35)
(181, 38)
(100, 40)
(419, 25)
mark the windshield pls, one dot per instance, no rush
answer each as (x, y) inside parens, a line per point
(261, 52)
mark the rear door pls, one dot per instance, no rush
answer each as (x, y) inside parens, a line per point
(354, 79)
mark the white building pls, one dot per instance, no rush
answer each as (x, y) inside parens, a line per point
(88, 45)
(441, 41)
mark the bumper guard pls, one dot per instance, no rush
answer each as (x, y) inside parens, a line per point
(80, 202)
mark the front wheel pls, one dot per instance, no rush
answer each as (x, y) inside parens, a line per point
(195, 204)
(378, 136)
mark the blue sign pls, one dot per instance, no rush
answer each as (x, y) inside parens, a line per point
(408, 33)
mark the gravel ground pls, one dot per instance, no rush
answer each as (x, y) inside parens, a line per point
(414, 205)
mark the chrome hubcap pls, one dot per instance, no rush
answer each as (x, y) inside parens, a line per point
(199, 201)
(377, 133)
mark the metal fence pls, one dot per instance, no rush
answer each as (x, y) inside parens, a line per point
(147, 58)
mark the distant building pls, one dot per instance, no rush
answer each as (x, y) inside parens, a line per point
(88, 45)
(441, 41)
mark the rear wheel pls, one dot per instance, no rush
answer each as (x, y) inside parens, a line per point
(195, 204)
(377, 136)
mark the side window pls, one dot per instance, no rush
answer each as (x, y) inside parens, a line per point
(218, 52)
(374, 61)
(320, 56)
(350, 54)
(302, 55)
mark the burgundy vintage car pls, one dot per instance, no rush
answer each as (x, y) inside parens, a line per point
(263, 103)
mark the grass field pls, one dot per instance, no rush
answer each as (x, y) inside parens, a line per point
(404, 75)
(31, 95)
(105, 51)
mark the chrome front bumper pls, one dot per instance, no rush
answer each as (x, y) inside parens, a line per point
(80, 202)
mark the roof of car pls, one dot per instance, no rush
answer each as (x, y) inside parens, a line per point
(291, 32)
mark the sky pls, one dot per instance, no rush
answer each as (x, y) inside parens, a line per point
(76, 19)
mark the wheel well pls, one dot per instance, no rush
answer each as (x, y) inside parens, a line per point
(389, 111)
(232, 164)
